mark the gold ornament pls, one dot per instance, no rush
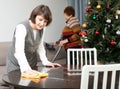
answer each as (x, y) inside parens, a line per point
(84, 25)
(98, 6)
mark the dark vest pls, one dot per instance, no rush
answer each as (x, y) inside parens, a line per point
(31, 47)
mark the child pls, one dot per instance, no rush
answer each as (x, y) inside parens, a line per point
(70, 33)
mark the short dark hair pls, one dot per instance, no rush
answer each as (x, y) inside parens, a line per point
(41, 10)
(69, 10)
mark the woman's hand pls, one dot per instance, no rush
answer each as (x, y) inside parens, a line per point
(53, 65)
(31, 72)
(62, 42)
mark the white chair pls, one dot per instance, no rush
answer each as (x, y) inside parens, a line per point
(80, 57)
(104, 77)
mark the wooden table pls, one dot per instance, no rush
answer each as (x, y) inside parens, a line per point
(57, 78)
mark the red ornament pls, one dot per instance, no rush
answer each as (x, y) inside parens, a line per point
(97, 32)
(112, 42)
(82, 33)
(87, 9)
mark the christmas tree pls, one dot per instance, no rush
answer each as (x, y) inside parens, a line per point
(102, 23)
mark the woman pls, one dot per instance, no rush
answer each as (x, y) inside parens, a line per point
(27, 46)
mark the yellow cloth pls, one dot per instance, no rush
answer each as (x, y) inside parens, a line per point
(34, 80)
(36, 76)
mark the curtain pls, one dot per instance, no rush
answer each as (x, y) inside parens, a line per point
(79, 6)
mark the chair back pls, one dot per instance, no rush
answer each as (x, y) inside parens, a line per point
(78, 57)
(103, 77)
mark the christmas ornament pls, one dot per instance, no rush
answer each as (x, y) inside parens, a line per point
(97, 32)
(87, 9)
(84, 25)
(103, 36)
(116, 17)
(83, 34)
(118, 12)
(108, 21)
(94, 17)
(85, 39)
(108, 24)
(98, 6)
(89, 3)
(112, 42)
(118, 32)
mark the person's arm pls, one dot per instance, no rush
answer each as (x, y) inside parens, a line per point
(73, 38)
(72, 33)
(19, 48)
(42, 52)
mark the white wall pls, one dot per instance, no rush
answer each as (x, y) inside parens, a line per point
(15, 11)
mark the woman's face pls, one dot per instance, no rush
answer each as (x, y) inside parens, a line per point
(66, 16)
(40, 22)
